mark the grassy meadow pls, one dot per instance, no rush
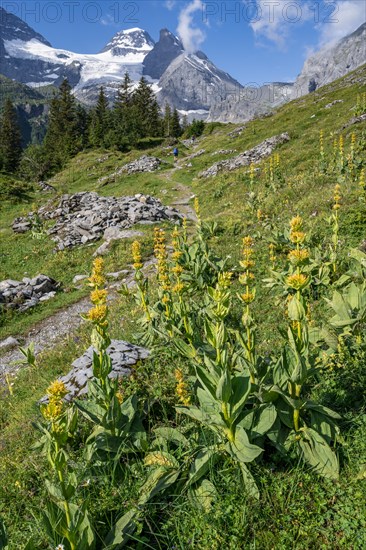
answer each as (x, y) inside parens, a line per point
(246, 427)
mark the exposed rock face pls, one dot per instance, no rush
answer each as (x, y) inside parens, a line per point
(22, 295)
(192, 82)
(163, 53)
(256, 154)
(84, 217)
(249, 102)
(331, 63)
(123, 356)
(355, 120)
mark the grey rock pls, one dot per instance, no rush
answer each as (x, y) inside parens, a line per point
(256, 154)
(123, 356)
(79, 278)
(9, 343)
(114, 233)
(23, 295)
(355, 120)
(329, 105)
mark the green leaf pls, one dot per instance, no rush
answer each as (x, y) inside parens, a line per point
(172, 435)
(184, 349)
(264, 418)
(208, 404)
(317, 453)
(249, 482)
(240, 391)
(296, 311)
(241, 448)
(204, 495)
(201, 464)
(122, 530)
(320, 408)
(223, 391)
(159, 480)
(3, 536)
(93, 412)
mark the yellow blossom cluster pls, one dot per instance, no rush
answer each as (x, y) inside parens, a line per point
(297, 281)
(297, 236)
(157, 459)
(337, 197)
(182, 388)
(298, 256)
(136, 255)
(54, 409)
(97, 277)
(272, 253)
(247, 263)
(161, 256)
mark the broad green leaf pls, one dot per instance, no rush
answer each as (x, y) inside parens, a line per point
(93, 412)
(159, 480)
(122, 530)
(242, 449)
(318, 454)
(184, 349)
(161, 458)
(204, 494)
(172, 435)
(208, 404)
(240, 391)
(296, 311)
(264, 418)
(249, 482)
(320, 408)
(201, 464)
(3, 536)
(223, 391)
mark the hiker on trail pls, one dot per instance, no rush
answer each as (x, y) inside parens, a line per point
(175, 153)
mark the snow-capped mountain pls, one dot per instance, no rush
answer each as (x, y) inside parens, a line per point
(163, 53)
(132, 44)
(332, 62)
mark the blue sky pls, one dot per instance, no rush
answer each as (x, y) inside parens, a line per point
(256, 41)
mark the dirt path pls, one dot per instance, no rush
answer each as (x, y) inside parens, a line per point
(65, 322)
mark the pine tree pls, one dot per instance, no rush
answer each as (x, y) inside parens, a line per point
(62, 137)
(167, 120)
(123, 126)
(10, 138)
(176, 130)
(146, 111)
(100, 122)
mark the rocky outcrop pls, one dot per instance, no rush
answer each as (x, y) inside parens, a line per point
(224, 152)
(22, 295)
(256, 154)
(331, 63)
(84, 217)
(355, 120)
(123, 356)
(143, 164)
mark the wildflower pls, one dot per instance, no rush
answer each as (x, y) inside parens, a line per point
(247, 297)
(225, 279)
(296, 223)
(298, 281)
(53, 410)
(136, 255)
(60, 547)
(178, 288)
(97, 279)
(177, 255)
(177, 270)
(98, 296)
(182, 388)
(98, 314)
(260, 215)
(157, 459)
(119, 396)
(165, 299)
(197, 207)
(298, 257)
(57, 390)
(272, 255)
(297, 237)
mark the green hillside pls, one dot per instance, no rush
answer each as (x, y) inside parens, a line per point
(296, 500)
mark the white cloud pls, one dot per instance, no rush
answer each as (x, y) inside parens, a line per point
(192, 37)
(170, 4)
(275, 19)
(342, 18)
(108, 20)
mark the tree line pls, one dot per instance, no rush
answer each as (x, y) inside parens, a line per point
(135, 116)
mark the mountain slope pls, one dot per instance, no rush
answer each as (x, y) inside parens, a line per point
(168, 48)
(333, 62)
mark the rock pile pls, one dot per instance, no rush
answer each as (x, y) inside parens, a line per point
(123, 356)
(237, 132)
(253, 155)
(329, 105)
(196, 154)
(83, 217)
(143, 164)
(22, 295)
(223, 152)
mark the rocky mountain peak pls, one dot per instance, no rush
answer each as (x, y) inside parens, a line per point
(332, 62)
(168, 48)
(130, 41)
(14, 28)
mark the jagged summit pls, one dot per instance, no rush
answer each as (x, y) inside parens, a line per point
(168, 48)
(130, 41)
